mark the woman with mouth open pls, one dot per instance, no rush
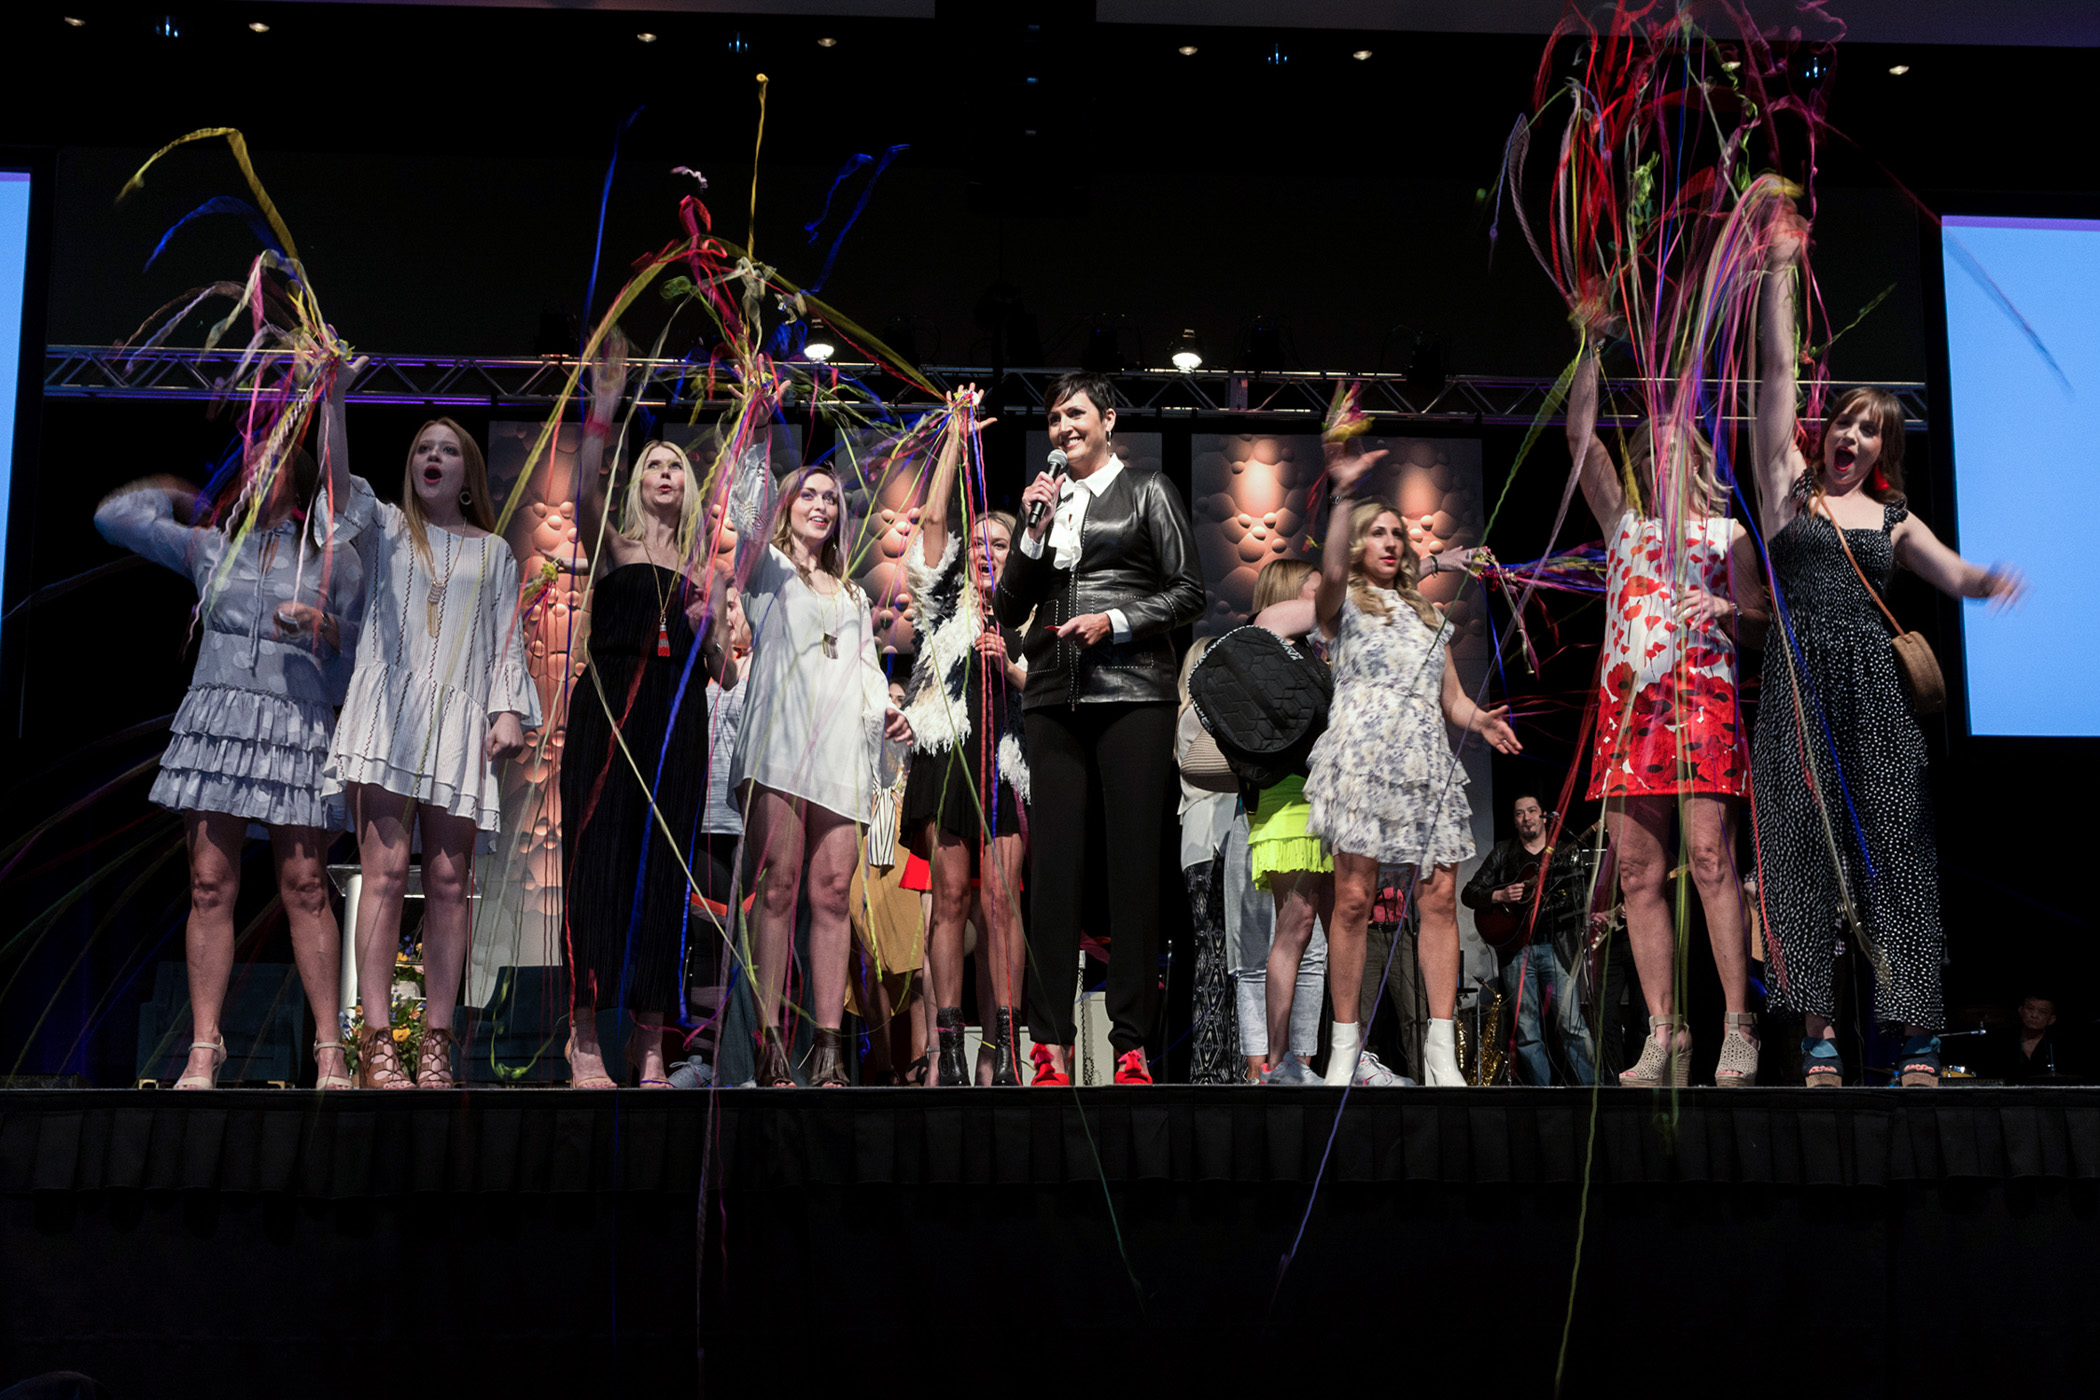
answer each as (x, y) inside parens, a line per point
(1850, 839)
(635, 755)
(439, 698)
(814, 718)
(1385, 788)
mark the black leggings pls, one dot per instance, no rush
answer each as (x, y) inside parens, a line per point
(1124, 753)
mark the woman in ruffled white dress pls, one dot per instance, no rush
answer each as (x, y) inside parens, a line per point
(1385, 787)
(278, 611)
(440, 697)
(815, 712)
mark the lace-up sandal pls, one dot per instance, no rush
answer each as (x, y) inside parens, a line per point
(1821, 1065)
(434, 1059)
(322, 1078)
(1004, 1041)
(210, 1078)
(1666, 1060)
(915, 1073)
(827, 1060)
(1920, 1068)
(772, 1072)
(949, 1071)
(1738, 1066)
(379, 1060)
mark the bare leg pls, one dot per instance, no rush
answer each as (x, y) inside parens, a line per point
(448, 880)
(382, 854)
(1637, 830)
(1300, 896)
(833, 843)
(1721, 893)
(302, 882)
(951, 909)
(999, 905)
(215, 841)
(1437, 947)
(1355, 884)
(773, 864)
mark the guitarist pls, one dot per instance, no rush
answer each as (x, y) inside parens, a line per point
(1503, 894)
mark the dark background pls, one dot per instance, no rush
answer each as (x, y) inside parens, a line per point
(441, 170)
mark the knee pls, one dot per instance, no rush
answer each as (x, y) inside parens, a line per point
(1640, 874)
(1438, 898)
(1352, 906)
(830, 892)
(212, 890)
(304, 891)
(1713, 864)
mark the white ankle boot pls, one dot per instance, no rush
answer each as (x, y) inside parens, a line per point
(1440, 1057)
(1343, 1039)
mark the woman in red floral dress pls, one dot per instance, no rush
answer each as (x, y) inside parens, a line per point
(1682, 581)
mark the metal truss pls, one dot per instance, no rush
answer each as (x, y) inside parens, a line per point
(534, 384)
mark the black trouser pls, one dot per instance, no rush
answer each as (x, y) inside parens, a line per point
(1125, 754)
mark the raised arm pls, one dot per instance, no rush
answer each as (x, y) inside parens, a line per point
(1344, 470)
(335, 435)
(608, 383)
(1601, 486)
(1293, 617)
(1774, 457)
(933, 515)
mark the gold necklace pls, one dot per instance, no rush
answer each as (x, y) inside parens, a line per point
(434, 604)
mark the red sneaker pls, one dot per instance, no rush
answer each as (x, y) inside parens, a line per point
(1130, 1068)
(1047, 1074)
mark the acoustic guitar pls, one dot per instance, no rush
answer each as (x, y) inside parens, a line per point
(1506, 927)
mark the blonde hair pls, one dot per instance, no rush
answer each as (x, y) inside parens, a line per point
(477, 508)
(1706, 495)
(1279, 581)
(1362, 591)
(1189, 661)
(631, 504)
(831, 555)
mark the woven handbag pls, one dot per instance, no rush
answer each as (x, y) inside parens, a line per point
(1920, 669)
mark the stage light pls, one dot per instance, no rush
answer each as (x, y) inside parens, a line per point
(167, 28)
(1360, 55)
(76, 23)
(1898, 70)
(1186, 50)
(818, 348)
(646, 37)
(737, 43)
(827, 42)
(1188, 356)
(1277, 57)
(256, 26)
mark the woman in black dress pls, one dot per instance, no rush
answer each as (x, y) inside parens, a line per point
(1845, 847)
(634, 757)
(969, 775)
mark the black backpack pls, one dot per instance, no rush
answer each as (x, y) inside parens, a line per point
(1264, 701)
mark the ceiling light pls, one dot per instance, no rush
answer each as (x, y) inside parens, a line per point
(818, 349)
(1360, 55)
(258, 27)
(646, 37)
(827, 42)
(1186, 50)
(1187, 355)
(76, 23)
(1899, 69)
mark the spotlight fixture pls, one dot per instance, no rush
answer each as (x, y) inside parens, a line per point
(737, 43)
(1899, 69)
(167, 27)
(256, 26)
(646, 37)
(76, 23)
(1186, 50)
(1360, 55)
(827, 42)
(818, 348)
(1276, 56)
(1188, 354)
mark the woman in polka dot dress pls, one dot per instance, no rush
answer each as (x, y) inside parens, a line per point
(1831, 690)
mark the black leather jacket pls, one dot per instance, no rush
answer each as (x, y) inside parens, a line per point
(1560, 912)
(1136, 553)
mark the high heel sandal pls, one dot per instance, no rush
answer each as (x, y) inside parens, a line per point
(638, 1056)
(378, 1061)
(598, 1080)
(1920, 1067)
(210, 1079)
(827, 1061)
(1821, 1065)
(772, 1071)
(1004, 1044)
(1738, 1064)
(915, 1073)
(434, 1059)
(324, 1080)
(948, 1063)
(1662, 1066)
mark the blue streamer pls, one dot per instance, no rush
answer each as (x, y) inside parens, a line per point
(590, 291)
(223, 204)
(860, 204)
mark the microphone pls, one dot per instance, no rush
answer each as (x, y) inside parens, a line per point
(1057, 470)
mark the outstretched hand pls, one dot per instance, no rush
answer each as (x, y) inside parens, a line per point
(346, 374)
(2004, 586)
(1789, 236)
(1493, 727)
(609, 378)
(1346, 468)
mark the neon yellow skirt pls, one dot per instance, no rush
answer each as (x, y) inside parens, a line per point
(1276, 839)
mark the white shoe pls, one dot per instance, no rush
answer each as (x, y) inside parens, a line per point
(1344, 1038)
(1291, 1070)
(1440, 1057)
(1372, 1074)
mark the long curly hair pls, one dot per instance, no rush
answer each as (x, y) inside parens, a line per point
(831, 555)
(1362, 591)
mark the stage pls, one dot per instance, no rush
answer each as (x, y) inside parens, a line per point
(532, 1241)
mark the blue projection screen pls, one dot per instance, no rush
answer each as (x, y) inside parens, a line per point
(15, 188)
(2027, 462)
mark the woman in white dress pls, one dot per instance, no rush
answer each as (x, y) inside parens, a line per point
(1385, 786)
(814, 715)
(439, 697)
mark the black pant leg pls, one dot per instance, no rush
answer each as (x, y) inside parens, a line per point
(1059, 760)
(1134, 755)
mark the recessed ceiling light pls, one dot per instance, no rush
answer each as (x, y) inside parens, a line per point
(1186, 50)
(258, 26)
(646, 37)
(76, 23)
(1360, 55)
(1899, 69)
(827, 42)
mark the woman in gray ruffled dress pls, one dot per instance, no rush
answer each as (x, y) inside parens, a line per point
(277, 617)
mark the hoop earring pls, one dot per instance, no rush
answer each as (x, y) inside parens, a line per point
(466, 497)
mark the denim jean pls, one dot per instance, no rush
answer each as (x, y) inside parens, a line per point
(1539, 989)
(1250, 925)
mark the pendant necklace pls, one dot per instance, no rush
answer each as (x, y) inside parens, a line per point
(434, 605)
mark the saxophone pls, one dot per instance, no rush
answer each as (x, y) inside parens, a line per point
(1487, 1061)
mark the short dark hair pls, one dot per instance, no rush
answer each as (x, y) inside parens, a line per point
(1099, 389)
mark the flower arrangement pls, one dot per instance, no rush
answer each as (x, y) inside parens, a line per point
(405, 1007)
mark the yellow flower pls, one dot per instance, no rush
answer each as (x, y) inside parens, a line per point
(401, 1035)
